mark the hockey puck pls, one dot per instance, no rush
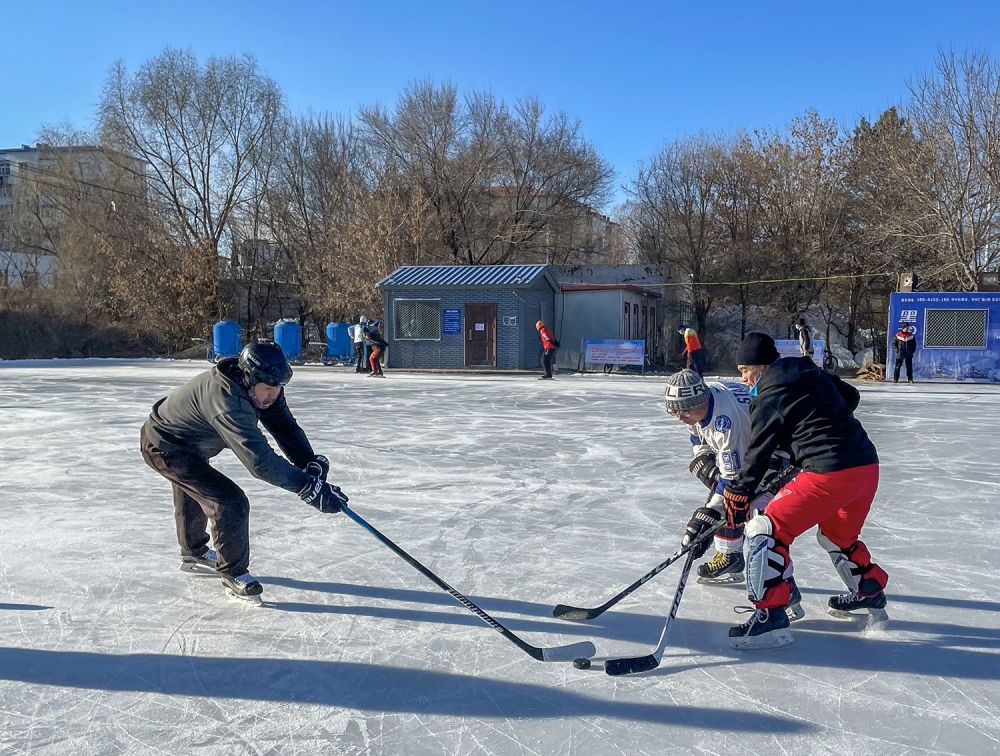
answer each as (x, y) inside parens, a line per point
(581, 663)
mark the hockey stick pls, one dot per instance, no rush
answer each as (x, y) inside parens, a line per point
(555, 653)
(577, 614)
(631, 665)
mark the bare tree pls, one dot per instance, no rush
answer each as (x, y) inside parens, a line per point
(201, 130)
(502, 185)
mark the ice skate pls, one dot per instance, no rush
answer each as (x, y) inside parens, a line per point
(243, 587)
(766, 628)
(848, 605)
(722, 569)
(794, 609)
(201, 565)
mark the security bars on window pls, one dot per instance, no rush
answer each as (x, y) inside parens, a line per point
(417, 320)
(955, 329)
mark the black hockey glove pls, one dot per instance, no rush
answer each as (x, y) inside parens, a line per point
(325, 497)
(705, 468)
(703, 519)
(319, 467)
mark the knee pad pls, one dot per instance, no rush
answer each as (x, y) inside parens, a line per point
(768, 562)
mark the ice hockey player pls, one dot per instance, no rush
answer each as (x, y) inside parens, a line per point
(717, 417)
(218, 409)
(798, 405)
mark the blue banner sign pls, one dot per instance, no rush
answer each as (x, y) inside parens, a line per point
(957, 334)
(452, 321)
(614, 351)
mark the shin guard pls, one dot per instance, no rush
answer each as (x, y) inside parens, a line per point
(855, 566)
(769, 565)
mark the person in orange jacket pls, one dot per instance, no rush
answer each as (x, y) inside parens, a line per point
(692, 349)
(549, 346)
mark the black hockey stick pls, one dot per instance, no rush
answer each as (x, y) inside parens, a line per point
(577, 614)
(555, 653)
(632, 665)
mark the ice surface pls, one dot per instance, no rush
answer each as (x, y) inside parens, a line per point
(519, 493)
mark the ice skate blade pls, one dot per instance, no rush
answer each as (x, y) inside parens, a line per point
(794, 612)
(194, 568)
(721, 580)
(872, 617)
(773, 639)
(251, 600)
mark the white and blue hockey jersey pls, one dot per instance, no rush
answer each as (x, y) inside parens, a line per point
(725, 431)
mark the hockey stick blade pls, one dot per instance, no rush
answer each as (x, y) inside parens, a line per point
(631, 666)
(556, 653)
(578, 614)
(635, 664)
(573, 651)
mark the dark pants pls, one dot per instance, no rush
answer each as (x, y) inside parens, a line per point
(359, 358)
(548, 358)
(909, 367)
(202, 493)
(695, 363)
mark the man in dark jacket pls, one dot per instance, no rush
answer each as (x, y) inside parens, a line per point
(219, 409)
(904, 344)
(798, 407)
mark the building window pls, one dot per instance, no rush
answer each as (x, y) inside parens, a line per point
(635, 321)
(417, 320)
(628, 319)
(955, 329)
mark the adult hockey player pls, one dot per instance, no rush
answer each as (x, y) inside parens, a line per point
(218, 409)
(718, 420)
(800, 407)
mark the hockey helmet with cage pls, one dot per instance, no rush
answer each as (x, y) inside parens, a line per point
(685, 390)
(264, 363)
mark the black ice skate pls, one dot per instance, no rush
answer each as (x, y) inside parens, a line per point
(766, 628)
(851, 604)
(722, 569)
(244, 587)
(201, 565)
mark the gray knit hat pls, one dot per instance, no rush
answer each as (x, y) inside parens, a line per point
(685, 390)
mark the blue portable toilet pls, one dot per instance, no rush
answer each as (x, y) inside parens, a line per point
(225, 340)
(338, 343)
(288, 335)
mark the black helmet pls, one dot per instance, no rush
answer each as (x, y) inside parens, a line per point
(264, 363)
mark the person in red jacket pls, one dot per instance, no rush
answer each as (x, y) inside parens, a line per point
(549, 346)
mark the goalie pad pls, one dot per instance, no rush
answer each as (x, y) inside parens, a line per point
(769, 565)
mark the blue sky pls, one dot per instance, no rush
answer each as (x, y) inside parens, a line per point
(636, 74)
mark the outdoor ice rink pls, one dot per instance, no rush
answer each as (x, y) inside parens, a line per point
(520, 493)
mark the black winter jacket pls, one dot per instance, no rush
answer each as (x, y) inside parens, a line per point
(801, 408)
(904, 343)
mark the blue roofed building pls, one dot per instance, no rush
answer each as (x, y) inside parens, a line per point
(483, 316)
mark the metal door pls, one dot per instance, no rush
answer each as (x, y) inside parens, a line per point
(481, 335)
